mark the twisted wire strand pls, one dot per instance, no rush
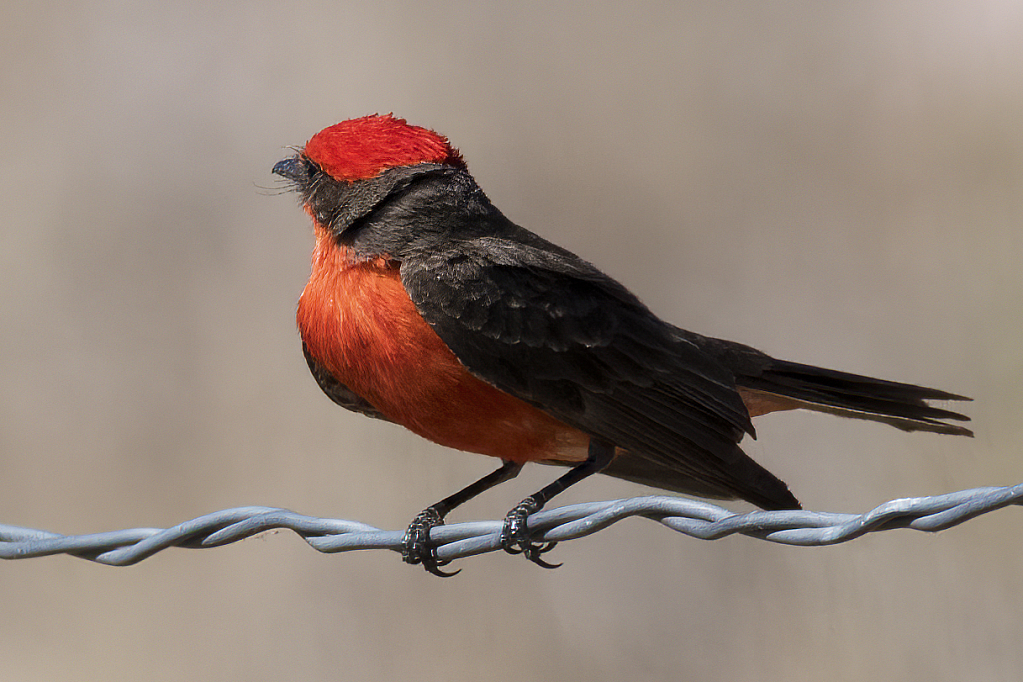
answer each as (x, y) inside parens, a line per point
(690, 517)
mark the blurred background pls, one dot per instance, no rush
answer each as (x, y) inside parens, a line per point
(835, 183)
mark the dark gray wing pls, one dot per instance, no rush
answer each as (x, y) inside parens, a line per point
(552, 330)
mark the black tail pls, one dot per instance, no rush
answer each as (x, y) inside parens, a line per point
(903, 406)
(789, 385)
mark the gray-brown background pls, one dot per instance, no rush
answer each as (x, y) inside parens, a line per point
(835, 183)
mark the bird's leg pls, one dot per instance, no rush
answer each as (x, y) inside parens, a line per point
(515, 534)
(416, 547)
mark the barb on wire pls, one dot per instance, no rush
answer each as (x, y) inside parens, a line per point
(690, 517)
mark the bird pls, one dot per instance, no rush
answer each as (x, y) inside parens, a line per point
(428, 308)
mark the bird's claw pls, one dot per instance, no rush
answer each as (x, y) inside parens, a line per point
(515, 534)
(416, 547)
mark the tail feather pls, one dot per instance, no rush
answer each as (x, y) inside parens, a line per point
(903, 406)
(750, 481)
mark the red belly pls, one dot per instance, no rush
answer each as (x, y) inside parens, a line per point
(358, 322)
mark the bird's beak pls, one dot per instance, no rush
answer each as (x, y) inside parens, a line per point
(295, 169)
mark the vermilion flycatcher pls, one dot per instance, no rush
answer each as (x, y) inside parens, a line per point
(428, 308)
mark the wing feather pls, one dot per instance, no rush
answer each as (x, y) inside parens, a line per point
(549, 328)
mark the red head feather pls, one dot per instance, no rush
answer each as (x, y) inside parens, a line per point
(361, 148)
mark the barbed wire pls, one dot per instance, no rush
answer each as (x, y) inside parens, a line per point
(690, 517)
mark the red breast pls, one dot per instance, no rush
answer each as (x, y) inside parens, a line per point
(358, 322)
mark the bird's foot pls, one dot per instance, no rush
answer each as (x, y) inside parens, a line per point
(416, 547)
(515, 534)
